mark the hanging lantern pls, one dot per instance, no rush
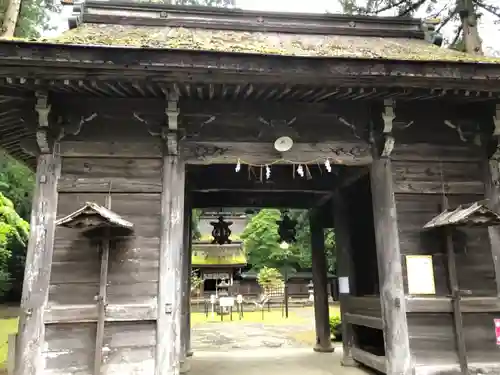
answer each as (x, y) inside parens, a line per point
(286, 229)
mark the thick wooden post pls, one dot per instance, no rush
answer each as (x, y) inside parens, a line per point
(344, 271)
(31, 332)
(493, 196)
(168, 331)
(189, 351)
(186, 278)
(320, 281)
(392, 295)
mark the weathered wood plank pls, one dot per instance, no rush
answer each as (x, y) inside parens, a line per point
(145, 149)
(397, 347)
(364, 320)
(89, 313)
(129, 348)
(373, 361)
(346, 153)
(345, 268)
(169, 288)
(443, 305)
(186, 277)
(38, 266)
(68, 348)
(103, 175)
(320, 282)
(435, 152)
(492, 185)
(364, 305)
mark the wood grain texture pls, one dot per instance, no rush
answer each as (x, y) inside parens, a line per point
(392, 294)
(123, 175)
(38, 267)
(345, 268)
(492, 182)
(369, 306)
(170, 285)
(129, 348)
(373, 361)
(320, 282)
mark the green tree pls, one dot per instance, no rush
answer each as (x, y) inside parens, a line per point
(17, 183)
(269, 278)
(461, 15)
(14, 232)
(195, 224)
(261, 242)
(26, 18)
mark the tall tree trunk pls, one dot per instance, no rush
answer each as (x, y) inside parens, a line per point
(10, 20)
(468, 17)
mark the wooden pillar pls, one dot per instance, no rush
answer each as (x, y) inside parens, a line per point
(186, 278)
(189, 351)
(31, 332)
(168, 340)
(320, 281)
(345, 270)
(392, 295)
(493, 196)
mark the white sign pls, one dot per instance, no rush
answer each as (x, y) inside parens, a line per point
(212, 299)
(226, 301)
(344, 285)
(420, 274)
(215, 276)
(239, 298)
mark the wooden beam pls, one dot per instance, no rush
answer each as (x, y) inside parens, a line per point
(492, 185)
(320, 281)
(341, 152)
(434, 305)
(38, 267)
(451, 268)
(169, 286)
(185, 279)
(392, 295)
(43, 60)
(345, 270)
(364, 320)
(282, 179)
(371, 360)
(255, 199)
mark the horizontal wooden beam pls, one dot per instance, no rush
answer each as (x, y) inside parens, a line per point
(364, 320)
(45, 61)
(283, 178)
(343, 153)
(443, 305)
(255, 199)
(371, 360)
(89, 313)
(366, 305)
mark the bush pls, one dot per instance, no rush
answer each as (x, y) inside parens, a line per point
(336, 327)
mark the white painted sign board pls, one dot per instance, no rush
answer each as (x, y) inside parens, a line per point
(420, 274)
(226, 301)
(344, 285)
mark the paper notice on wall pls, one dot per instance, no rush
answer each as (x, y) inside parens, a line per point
(344, 285)
(420, 274)
(497, 330)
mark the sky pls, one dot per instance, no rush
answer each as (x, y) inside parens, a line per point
(489, 32)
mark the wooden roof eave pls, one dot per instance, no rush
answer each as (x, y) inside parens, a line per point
(22, 59)
(105, 218)
(472, 215)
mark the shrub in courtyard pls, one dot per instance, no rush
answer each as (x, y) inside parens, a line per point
(269, 278)
(336, 327)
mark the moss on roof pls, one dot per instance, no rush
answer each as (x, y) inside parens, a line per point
(198, 259)
(262, 43)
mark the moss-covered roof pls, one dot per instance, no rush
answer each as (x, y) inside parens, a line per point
(207, 254)
(269, 43)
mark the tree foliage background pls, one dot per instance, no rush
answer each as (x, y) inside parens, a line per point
(262, 243)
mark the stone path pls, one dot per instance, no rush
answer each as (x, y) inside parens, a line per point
(227, 348)
(223, 336)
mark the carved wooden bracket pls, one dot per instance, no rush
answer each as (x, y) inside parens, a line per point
(171, 140)
(388, 140)
(72, 125)
(279, 127)
(172, 110)
(42, 107)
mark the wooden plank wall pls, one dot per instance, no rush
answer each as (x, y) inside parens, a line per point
(418, 172)
(129, 334)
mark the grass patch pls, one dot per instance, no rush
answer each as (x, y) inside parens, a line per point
(270, 317)
(7, 327)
